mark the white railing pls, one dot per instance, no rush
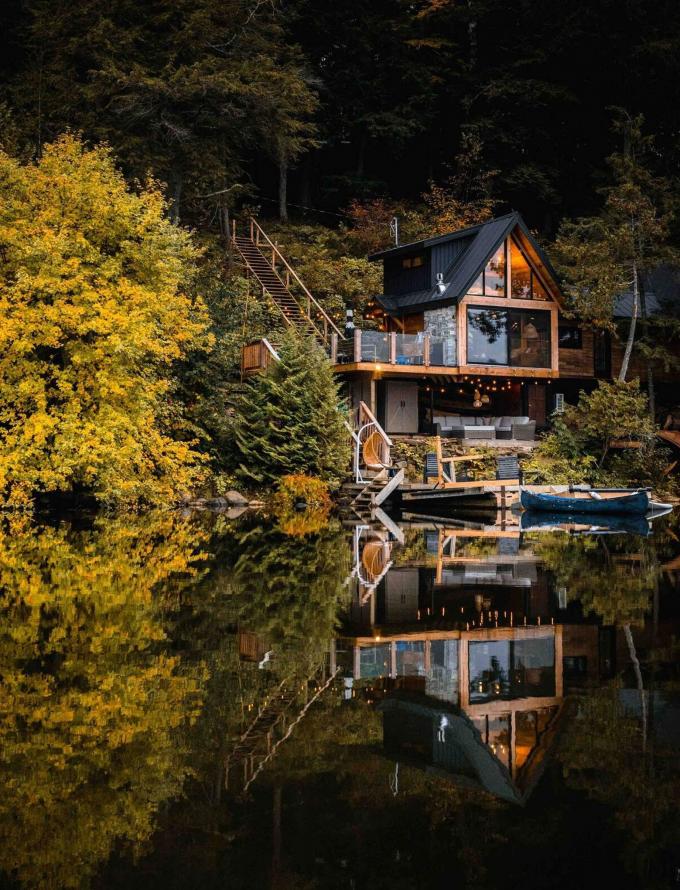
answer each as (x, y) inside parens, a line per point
(371, 445)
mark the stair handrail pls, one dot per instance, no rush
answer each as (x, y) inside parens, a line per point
(255, 227)
(367, 425)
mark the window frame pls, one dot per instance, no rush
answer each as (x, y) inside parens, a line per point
(508, 310)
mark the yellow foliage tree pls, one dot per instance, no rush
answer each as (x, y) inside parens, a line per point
(94, 707)
(93, 313)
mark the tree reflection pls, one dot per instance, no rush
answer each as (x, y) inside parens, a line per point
(94, 709)
(610, 748)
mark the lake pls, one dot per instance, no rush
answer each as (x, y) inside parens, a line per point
(205, 701)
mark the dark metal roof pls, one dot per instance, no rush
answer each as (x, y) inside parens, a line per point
(415, 246)
(662, 293)
(485, 240)
(461, 743)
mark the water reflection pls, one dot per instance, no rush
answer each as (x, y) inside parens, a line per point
(95, 710)
(353, 707)
(481, 619)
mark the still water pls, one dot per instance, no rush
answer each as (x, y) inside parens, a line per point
(211, 702)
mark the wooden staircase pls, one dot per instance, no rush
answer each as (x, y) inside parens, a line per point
(281, 284)
(271, 727)
(364, 503)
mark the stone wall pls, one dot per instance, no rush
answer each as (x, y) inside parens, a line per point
(440, 324)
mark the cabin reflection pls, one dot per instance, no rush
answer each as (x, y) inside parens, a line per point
(466, 648)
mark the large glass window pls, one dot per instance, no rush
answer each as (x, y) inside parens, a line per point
(529, 339)
(515, 337)
(510, 669)
(487, 336)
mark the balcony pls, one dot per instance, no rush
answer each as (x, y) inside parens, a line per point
(401, 350)
(414, 354)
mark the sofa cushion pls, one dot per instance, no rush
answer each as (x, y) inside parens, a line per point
(520, 420)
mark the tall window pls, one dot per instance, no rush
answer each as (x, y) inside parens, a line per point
(513, 337)
(491, 283)
(526, 285)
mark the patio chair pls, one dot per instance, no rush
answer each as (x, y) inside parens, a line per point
(524, 429)
(507, 468)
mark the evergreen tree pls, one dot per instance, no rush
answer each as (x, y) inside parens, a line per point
(604, 255)
(189, 89)
(290, 419)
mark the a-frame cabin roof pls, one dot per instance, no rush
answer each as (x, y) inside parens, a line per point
(477, 246)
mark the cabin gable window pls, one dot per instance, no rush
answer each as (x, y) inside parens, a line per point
(509, 273)
(491, 283)
(526, 284)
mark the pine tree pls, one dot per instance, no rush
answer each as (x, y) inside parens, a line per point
(290, 419)
(604, 255)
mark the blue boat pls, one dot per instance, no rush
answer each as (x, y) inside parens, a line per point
(590, 501)
(585, 523)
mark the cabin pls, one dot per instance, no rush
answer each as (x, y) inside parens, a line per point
(467, 338)
(469, 334)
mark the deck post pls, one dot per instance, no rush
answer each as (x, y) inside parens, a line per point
(334, 348)
(393, 348)
(438, 450)
(374, 397)
(357, 344)
(426, 350)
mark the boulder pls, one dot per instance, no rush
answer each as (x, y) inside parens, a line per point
(235, 499)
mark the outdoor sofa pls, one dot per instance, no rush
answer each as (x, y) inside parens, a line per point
(461, 426)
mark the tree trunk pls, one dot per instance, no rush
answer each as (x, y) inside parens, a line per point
(283, 187)
(177, 184)
(633, 323)
(472, 38)
(361, 156)
(650, 371)
(638, 677)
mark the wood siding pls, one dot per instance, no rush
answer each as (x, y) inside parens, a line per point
(442, 255)
(397, 280)
(578, 362)
(638, 366)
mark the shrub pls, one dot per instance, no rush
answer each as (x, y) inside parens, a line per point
(579, 447)
(94, 316)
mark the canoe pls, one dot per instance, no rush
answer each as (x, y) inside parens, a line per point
(585, 523)
(591, 501)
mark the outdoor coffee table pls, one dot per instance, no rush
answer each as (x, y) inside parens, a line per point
(479, 432)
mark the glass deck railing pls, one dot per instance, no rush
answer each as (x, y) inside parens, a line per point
(410, 349)
(374, 346)
(379, 347)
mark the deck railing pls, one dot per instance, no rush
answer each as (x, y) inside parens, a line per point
(257, 356)
(383, 348)
(323, 323)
